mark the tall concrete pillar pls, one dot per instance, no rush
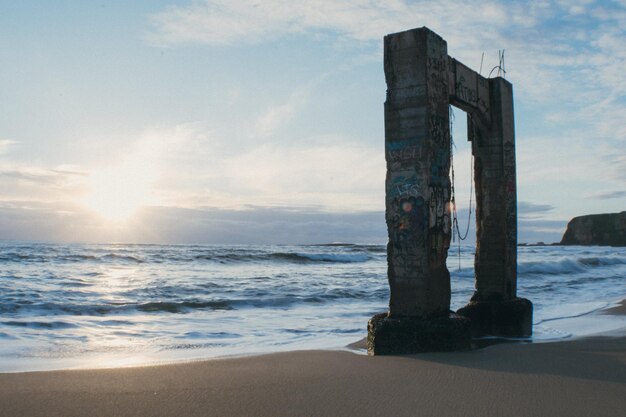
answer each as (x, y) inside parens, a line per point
(494, 308)
(496, 199)
(491, 216)
(417, 151)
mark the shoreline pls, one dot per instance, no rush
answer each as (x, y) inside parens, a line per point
(578, 377)
(616, 309)
(256, 301)
(571, 378)
(619, 309)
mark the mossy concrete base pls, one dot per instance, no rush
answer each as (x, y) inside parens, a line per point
(405, 335)
(510, 318)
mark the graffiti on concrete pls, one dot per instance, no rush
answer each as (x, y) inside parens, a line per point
(417, 151)
(422, 82)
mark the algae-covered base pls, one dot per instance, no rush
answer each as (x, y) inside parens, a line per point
(405, 335)
(510, 318)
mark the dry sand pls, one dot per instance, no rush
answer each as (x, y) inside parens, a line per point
(575, 378)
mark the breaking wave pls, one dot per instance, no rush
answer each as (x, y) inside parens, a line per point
(61, 301)
(321, 257)
(356, 254)
(568, 266)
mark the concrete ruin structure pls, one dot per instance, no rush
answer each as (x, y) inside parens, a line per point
(422, 82)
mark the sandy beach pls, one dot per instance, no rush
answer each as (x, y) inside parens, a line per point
(585, 377)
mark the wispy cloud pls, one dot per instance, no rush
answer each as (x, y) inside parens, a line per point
(261, 225)
(189, 165)
(542, 38)
(280, 115)
(608, 195)
(555, 49)
(39, 175)
(32, 175)
(252, 21)
(333, 172)
(616, 164)
(5, 145)
(249, 224)
(526, 209)
(25, 182)
(249, 21)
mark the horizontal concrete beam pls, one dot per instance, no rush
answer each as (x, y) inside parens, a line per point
(469, 91)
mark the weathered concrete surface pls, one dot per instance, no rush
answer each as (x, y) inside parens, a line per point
(494, 308)
(417, 151)
(508, 318)
(470, 92)
(422, 82)
(396, 336)
(496, 197)
(596, 229)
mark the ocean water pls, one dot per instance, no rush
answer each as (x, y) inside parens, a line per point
(87, 305)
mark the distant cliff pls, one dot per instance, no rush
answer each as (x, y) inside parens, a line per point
(596, 229)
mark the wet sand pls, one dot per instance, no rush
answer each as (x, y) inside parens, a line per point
(619, 309)
(584, 377)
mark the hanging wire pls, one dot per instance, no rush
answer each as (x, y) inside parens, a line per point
(500, 67)
(456, 232)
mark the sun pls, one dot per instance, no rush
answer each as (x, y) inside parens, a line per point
(116, 194)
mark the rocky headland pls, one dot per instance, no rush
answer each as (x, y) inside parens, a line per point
(596, 229)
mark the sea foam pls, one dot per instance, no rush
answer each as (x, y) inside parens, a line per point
(68, 305)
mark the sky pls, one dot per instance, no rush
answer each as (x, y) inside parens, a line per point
(262, 121)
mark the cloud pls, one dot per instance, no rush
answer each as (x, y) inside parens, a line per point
(527, 209)
(251, 21)
(575, 46)
(564, 171)
(554, 49)
(617, 165)
(564, 58)
(27, 182)
(191, 166)
(280, 115)
(333, 171)
(38, 175)
(608, 195)
(267, 225)
(41, 221)
(70, 183)
(27, 220)
(5, 145)
(32, 175)
(532, 231)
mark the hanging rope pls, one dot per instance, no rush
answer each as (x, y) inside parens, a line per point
(456, 232)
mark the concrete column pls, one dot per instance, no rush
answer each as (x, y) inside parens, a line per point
(496, 198)
(495, 309)
(502, 101)
(417, 150)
